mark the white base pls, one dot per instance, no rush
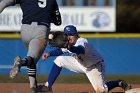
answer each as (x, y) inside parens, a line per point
(133, 90)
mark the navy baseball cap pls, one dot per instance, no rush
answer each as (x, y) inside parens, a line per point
(70, 30)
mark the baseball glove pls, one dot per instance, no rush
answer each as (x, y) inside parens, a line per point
(58, 39)
(56, 18)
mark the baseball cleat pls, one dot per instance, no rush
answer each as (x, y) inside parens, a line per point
(42, 88)
(16, 67)
(124, 85)
(33, 90)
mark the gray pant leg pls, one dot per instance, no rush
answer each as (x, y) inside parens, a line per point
(35, 38)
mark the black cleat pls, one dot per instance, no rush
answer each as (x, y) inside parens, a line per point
(124, 85)
(33, 90)
(42, 88)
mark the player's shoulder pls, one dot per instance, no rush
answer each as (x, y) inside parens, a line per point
(82, 40)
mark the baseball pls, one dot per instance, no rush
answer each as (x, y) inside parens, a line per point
(50, 36)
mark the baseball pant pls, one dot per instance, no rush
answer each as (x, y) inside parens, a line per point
(95, 73)
(35, 38)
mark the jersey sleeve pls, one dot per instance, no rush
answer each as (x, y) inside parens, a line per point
(56, 52)
(82, 42)
(79, 47)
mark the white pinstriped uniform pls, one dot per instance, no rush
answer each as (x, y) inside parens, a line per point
(90, 63)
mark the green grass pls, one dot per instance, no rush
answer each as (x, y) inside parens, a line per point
(66, 78)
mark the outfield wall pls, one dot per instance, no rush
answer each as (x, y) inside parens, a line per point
(120, 52)
(95, 19)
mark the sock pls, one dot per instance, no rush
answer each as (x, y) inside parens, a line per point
(112, 84)
(32, 77)
(55, 71)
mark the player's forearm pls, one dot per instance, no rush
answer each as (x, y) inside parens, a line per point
(5, 3)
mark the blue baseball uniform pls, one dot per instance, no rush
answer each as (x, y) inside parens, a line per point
(83, 58)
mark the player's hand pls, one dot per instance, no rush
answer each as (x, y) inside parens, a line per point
(45, 56)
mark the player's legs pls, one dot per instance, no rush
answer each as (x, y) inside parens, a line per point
(36, 47)
(97, 79)
(96, 76)
(67, 62)
(70, 63)
(34, 37)
(35, 51)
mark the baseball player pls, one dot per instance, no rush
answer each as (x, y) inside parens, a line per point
(83, 59)
(37, 17)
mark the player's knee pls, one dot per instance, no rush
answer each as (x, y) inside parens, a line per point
(101, 89)
(58, 60)
(31, 62)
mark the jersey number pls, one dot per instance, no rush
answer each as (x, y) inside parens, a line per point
(42, 3)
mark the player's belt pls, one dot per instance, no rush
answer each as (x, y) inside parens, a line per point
(99, 62)
(94, 65)
(39, 23)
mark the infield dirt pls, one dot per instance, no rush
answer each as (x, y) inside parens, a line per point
(57, 88)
